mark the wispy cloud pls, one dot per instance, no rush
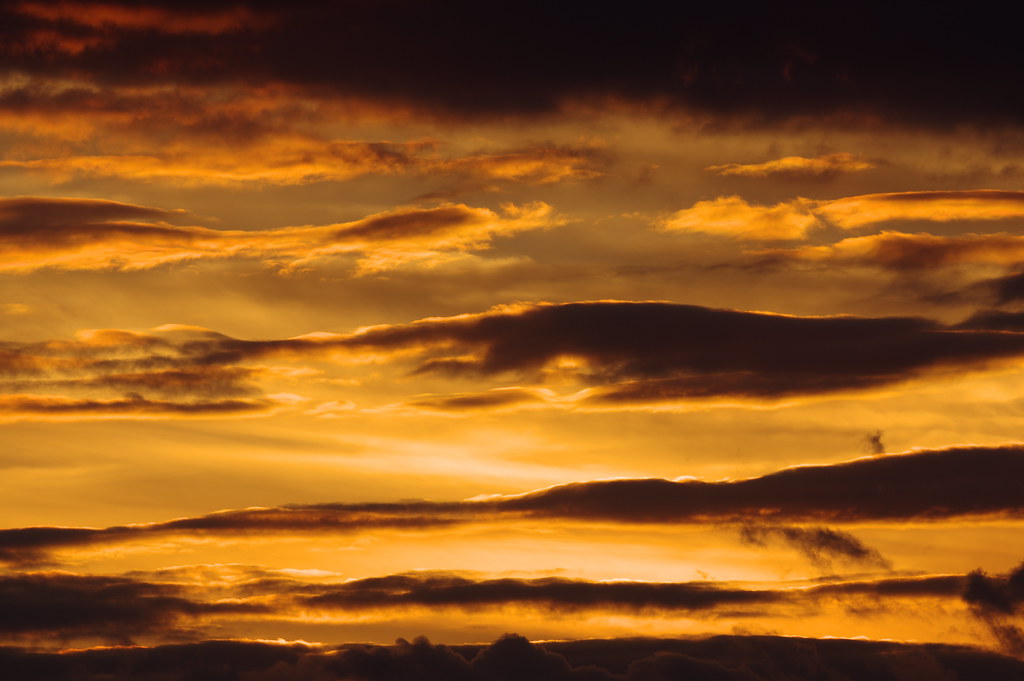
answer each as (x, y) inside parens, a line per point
(797, 167)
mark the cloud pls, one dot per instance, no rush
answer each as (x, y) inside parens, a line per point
(778, 67)
(855, 212)
(92, 234)
(820, 545)
(32, 545)
(552, 593)
(637, 353)
(112, 609)
(294, 159)
(733, 217)
(719, 658)
(63, 606)
(923, 485)
(994, 600)
(54, 407)
(909, 252)
(491, 400)
(611, 354)
(797, 167)
(115, 16)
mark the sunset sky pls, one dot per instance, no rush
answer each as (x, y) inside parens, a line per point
(328, 323)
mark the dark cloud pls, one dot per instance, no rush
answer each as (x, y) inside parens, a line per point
(208, 660)
(820, 545)
(33, 224)
(34, 214)
(652, 352)
(209, 381)
(133, 404)
(922, 485)
(795, 61)
(626, 354)
(32, 545)
(995, 601)
(994, 320)
(875, 442)
(513, 658)
(499, 398)
(554, 593)
(62, 606)
(65, 606)
(1007, 289)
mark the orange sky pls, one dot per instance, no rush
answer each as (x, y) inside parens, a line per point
(343, 323)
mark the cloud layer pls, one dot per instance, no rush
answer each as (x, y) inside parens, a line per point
(918, 486)
(774, 66)
(95, 234)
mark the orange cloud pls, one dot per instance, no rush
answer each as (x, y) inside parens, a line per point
(855, 212)
(733, 217)
(900, 251)
(99, 15)
(796, 167)
(93, 234)
(297, 160)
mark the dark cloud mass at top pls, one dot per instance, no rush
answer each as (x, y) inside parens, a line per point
(759, 62)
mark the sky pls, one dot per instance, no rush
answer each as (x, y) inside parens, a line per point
(563, 340)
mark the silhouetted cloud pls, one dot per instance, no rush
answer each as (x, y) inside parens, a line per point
(513, 658)
(65, 606)
(617, 355)
(921, 485)
(773, 66)
(994, 601)
(636, 353)
(554, 593)
(819, 544)
(59, 607)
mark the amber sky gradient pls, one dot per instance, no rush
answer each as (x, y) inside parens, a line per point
(698, 329)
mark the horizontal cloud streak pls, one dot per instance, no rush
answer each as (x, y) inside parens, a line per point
(92, 234)
(74, 605)
(909, 252)
(919, 486)
(649, 353)
(732, 216)
(796, 167)
(65, 606)
(619, 355)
